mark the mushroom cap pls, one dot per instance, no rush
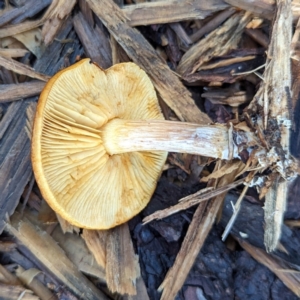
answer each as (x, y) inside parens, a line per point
(77, 177)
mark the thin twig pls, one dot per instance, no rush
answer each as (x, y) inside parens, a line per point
(237, 206)
(251, 71)
(192, 200)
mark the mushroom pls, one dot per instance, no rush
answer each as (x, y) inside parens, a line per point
(100, 142)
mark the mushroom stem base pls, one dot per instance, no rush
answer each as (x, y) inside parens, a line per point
(120, 136)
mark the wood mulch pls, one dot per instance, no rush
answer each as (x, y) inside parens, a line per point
(234, 234)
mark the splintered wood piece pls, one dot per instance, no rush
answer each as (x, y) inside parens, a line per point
(56, 14)
(52, 257)
(170, 11)
(118, 54)
(283, 270)
(18, 28)
(265, 8)
(212, 24)
(65, 225)
(12, 92)
(181, 34)
(295, 44)
(27, 277)
(15, 170)
(96, 243)
(122, 268)
(73, 246)
(190, 201)
(141, 291)
(217, 43)
(95, 43)
(18, 14)
(14, 29)
(8, 277)
(14, 292)
(274, 96)
(114, 251)
(78, 253)
(19, 68)
(198, 230)
(275, 205)
(296, 9)
(258, 36)
(87, 12)
(11, 52)
(168, 85)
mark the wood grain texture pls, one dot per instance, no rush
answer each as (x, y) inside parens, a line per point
(95, 42)
(171, 11)
(217, 43)
(274, 100)
(19, 68)
(79, 254)
(11, 92)
(15, 166)
(122, 268)
(51, 256)
(142, 53)
(13, 292)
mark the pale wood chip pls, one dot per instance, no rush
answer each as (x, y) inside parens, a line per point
(48, 253)
(19, 68)
(217, 43)
(170, 11)
(12, 92)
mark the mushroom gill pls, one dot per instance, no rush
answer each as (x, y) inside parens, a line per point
(77, 177)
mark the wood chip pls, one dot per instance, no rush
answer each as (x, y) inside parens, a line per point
(49, 254)
(217, 43)
(170, 11)
(114, 249)
(77, 251)
(15, 165)
(13, 292)
(94, 40)
(19, 68)
(274, 96)
(8, 277)
(27, 277)
(190, 201)
(96, 243)
(258, 36)
(12, 52)
(212, 24)
(12, 92)
(265, 8)
(56, 14)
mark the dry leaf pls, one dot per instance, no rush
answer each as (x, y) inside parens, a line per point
(32, 40)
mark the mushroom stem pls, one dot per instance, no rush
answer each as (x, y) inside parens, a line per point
(120, 136)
